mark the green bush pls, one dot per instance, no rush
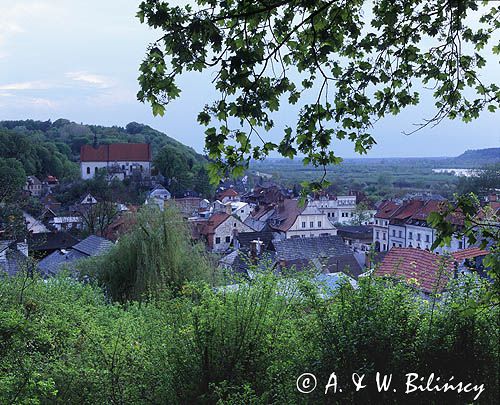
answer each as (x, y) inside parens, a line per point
(61, 341)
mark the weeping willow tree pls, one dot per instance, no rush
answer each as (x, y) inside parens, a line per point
(155, 257)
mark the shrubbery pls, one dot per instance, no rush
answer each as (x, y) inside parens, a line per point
(62, 342)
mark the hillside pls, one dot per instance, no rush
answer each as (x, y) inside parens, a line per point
(45, 147)
(479, 156)
(75, 135)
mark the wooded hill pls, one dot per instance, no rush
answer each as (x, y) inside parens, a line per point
(46, 147)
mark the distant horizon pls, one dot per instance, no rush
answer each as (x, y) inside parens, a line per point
(299, 156)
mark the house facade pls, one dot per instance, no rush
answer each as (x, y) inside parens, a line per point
(405, 225)
(339, 209)
(120, 159)
(33, 186)
(219, 231)
(291, 221)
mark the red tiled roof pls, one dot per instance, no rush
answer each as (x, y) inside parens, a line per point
(429, 206)
(213, 222)
(419, 265)
(134, 152)
(387, 209)
(408, 209)
(286, 212)
(227, 193)
(469, 253)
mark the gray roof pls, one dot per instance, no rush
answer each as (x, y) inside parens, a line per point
(328, 254)
(255, 223)
(56, 261)
(355, 231)
(12, 261)
(93, 245)
(310, 248)
(246, 238)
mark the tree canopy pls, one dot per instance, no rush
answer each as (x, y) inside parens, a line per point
(345, 63)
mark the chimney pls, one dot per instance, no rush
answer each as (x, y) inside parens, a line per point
(255, 249)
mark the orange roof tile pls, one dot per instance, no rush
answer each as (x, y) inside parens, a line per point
(420, 265)
(134, 152)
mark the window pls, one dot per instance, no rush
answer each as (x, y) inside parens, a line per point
(400, 234)
(95, 169)
(460, 244)
(393, 244)
(123, 167)
(88, 170)
(333, 214)
(378, 235)
(242, 211)
(376, 222)
(303, 224)
(383, 247)
(410, 235)
(328, 215)
(383, 236)
(228, 239)
(319, 224)
(400, 245)
(427, 238)
(311, 224)
(418, 236)
(217, 240)
(234, 224)
(394, 232)
(352, 214)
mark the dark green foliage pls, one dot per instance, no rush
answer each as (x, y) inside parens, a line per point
(37, 155)
(486, 182)
(183, 171)
(61, 342)
(346, 64)
(480, 225)
(155, 256)
(12, 179)
(66, 134)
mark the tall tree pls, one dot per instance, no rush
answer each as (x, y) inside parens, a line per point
(347, 63)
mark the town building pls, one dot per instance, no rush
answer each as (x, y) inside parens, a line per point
(158, 197)
(67, 258)
(424, 270)
(338, 209)
(292, 221)
(228, 195)
(405, 224)
(33, 186)
(13, 257)
(219, 231)
(119, 160)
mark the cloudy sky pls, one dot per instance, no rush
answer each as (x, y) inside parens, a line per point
(79, 60)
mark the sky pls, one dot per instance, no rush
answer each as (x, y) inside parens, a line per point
(79, 60)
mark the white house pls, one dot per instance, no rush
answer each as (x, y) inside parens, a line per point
(118, 159)
(241, 209)
(405, 226)
(292, 221)
(89, 199)
(158, 196)
(338, 209)
(64, 223)
(220, 230)
(33, 186)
